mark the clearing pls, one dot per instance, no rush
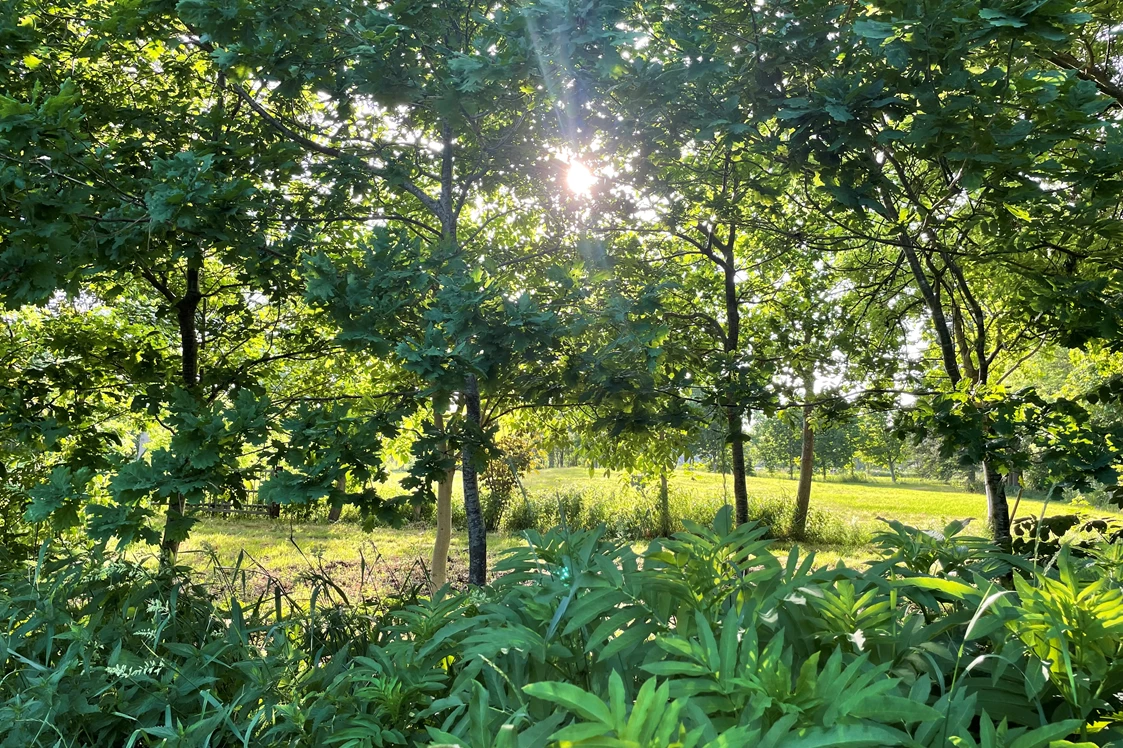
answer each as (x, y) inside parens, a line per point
(366, 564)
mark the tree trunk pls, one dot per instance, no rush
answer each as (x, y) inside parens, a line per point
(664, 506)
(978, 370)
(892, 469)
(998, 511)
(439, 570)
(731, 346)
(337, 504)
(806, 473)
(477, 533)
(185, 309)
(737, 448)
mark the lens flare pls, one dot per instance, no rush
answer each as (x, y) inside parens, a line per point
(579, 179)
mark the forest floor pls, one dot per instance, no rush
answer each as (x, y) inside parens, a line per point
(367, 564)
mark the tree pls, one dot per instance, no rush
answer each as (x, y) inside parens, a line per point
(835, 446)
(426, 114)
(878, 444)
(703, 215)
(984, 207)
(776, 441)
(140, 199)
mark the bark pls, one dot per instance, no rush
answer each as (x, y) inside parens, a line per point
(439, 570)
(477, 533)
(892, 470)
(186, 309)
(961, 339)
(734, 412)
(806, 473)
(998, 511)
(1100, 76)
(737, 448)
(997, 508)
(932, 300)
(337, 504)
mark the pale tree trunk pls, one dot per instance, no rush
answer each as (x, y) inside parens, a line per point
(477, 532)
(439, 569)
(664, 506)
(892, 469)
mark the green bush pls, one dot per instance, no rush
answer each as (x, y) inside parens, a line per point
(706, 639)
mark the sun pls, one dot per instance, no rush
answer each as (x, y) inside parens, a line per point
(579, 179)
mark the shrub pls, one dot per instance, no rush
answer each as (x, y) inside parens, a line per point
(705, 639)
(1043, 538)
(516, 453)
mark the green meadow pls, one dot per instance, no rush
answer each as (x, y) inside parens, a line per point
(249, 553)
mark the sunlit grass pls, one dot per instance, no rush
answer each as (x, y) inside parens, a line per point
(361, 563)
(368, 563)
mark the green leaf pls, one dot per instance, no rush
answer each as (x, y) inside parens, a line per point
(572, 698)
(869, 29)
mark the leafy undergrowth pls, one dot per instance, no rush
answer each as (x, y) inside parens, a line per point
(707, 639)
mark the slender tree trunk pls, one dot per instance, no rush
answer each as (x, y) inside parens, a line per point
(664, 506)
(806, 472)
(892, 469)
(998, 511)
(732, 345)
(186, 309)
(978, 370)
(337, 504)
(439, 569)
(737, 448)
(750, 467)
(477, 532)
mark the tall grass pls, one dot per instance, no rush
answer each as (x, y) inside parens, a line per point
(631, 513)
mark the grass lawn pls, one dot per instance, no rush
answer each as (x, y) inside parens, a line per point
(364, 564)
